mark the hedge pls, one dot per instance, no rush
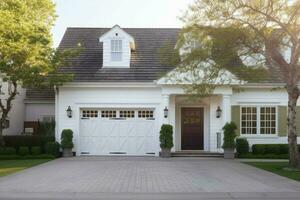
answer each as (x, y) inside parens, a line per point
(271, 149)
(52, 148)
(242, 145)
(8, 151)
(27, 157)
(29, 141)
(264, 156)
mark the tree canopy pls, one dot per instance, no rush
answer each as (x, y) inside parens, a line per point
(256, 41)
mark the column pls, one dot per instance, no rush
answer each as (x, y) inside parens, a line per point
(226, 109)
(166, 104)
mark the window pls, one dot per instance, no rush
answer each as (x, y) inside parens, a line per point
(116, 50)
(145, 114)
(49, 118)
(108, 113)
(249, 122)
(258, 120)
(90, 113)
(267, 120)
(127, 113)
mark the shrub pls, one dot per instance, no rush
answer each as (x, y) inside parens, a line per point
(272, 149)
(67, 139)
(166, 136)
(7, 151)
(242, 145)
(229, 135)
(264, 156)
(284, 148)
(26, 140)
(46, 128)
(35, 150)
(258, 149)
(26, 157)
(52, 148)
(23, 151)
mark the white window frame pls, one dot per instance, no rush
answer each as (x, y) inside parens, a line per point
(258, 134)
(116, 46)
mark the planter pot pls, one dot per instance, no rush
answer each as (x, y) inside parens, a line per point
(67, 153)
(165, 153)
(229, 153)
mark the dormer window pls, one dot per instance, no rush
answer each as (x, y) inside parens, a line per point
(117, 47)
(116, 50)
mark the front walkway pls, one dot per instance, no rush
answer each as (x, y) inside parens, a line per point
(146, 178)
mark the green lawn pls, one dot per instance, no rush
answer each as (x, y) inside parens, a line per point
(12, 166)
(277, 168)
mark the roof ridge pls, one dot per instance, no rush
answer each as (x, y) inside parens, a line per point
(77, 27)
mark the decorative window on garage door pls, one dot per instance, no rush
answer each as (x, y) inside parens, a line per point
(108, 114)
(145, 114)
(90, 113)
(127, 113)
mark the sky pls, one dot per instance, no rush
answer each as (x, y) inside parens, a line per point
(126, 13)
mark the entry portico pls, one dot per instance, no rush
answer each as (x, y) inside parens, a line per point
(196, 113)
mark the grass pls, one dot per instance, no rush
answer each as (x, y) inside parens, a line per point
(12, 166)
(277, 168)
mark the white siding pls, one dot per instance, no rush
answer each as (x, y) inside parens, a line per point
(100, 98)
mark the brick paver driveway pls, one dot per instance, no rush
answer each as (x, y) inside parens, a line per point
(146, 178)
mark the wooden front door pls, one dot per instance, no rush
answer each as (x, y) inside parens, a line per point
(192, 120)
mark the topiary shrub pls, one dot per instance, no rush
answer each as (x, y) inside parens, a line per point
(229, 136)
(166, 136)
(242, 145)
(23, 151)
(258, 149)
(52, 148)
(35, 150)
(7, 151)
(272, 149)
(67, 139)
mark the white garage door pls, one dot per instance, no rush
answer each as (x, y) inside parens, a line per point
(117, 132)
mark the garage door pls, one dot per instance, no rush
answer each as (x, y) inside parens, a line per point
(117, 132)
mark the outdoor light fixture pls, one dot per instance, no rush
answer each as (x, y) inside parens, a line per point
(69, 112)
(166, 112)
(218, 112)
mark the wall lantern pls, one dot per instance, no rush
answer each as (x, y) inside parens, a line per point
(218, 112)
(166, 112)
(69, 112)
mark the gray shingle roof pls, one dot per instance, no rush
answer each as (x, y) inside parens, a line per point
(145, 65)
(40, 94)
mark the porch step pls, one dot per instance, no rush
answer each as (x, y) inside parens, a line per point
(196, 154)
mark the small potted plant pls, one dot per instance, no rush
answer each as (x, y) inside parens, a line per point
(67, 142)
(166, 140)
(229, 140)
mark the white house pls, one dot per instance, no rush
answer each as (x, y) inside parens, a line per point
(119, 99)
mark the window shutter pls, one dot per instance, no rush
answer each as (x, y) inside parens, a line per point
(236, 117)
(298, 120)
(282, 121)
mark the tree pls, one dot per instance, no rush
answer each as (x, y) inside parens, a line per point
(249, 39)
(27, 58)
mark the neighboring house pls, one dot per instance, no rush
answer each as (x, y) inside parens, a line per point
(30, 107)
(119, 99)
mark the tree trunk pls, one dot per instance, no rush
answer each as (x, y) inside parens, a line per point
(294, 159)
(2, 143)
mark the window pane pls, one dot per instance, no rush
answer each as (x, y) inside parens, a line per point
(248, 120)
(268, 120)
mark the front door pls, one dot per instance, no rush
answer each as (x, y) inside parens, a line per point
(192, 128)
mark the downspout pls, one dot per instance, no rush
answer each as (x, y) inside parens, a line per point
(56, 113)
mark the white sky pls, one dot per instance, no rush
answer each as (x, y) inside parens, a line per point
(126, 13)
